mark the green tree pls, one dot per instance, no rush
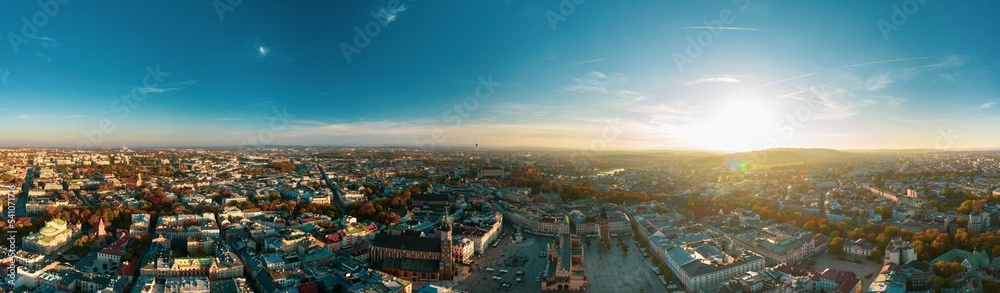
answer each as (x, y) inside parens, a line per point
(837, 246)
(811, 226)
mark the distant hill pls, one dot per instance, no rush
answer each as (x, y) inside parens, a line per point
(777, 157)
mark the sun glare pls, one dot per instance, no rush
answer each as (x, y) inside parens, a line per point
(737, 126)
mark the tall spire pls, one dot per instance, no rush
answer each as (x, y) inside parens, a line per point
(446, 222)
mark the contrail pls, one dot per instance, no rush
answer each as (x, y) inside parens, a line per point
(885, 61)
(578, 63)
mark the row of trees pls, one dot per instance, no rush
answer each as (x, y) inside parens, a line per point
(379, 209)
(571, 192)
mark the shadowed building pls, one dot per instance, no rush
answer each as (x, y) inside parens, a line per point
(415, 258)
(605, 227)
(565, 256)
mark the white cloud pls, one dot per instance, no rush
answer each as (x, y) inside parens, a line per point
(987, 105)
(878, 82)
(168, 87)
(46, 41)
(594, 81)
(4, 75)
(713, 79)
(886, 79)
(263, 51)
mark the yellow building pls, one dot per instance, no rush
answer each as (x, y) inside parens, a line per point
(51, 238)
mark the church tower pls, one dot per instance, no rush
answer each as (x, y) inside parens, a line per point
(822, 205)
(605, 230)
(444, 234)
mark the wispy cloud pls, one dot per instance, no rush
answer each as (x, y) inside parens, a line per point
(43, 38)
(713, 79)
(46, 41)
(577, 63)
(594, 81)
(987, 105)
(885, 61)
(728, 28)
(878, 82)
(885, 79)
(169, 87)
(43, 56)
(263, 51)
(388, 16)
(894, 101)
(3, 75)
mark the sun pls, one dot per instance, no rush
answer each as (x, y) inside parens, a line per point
(740, 125)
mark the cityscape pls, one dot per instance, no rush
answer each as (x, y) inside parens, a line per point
(403, 146)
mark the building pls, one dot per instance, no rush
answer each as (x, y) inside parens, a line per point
(491, 172)
(225, 266)
(889, 280)
(566, 272)
(859, 247)
(835, 281)
(781, 243)
(430, 199)
(822, 205)
(979, 221)
(140, 224)
(415, 258)
(462, 250)
(605, 230)
(972, 261)
(187, 225)
(899, 252)
(352, 235)
(51, 238)
(133, 183)
(699, 263)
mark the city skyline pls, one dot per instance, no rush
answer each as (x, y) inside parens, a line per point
(724, 76)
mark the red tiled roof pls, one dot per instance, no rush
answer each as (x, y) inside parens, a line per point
(847, 286)
(307, 288)
(129, 269)
(113, 250)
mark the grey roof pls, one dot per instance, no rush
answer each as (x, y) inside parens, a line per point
(430, 197)
(407, 242)
(413, 265)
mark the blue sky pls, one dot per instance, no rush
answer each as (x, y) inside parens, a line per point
(720, 75)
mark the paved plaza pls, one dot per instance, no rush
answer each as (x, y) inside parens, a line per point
(607, 271)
